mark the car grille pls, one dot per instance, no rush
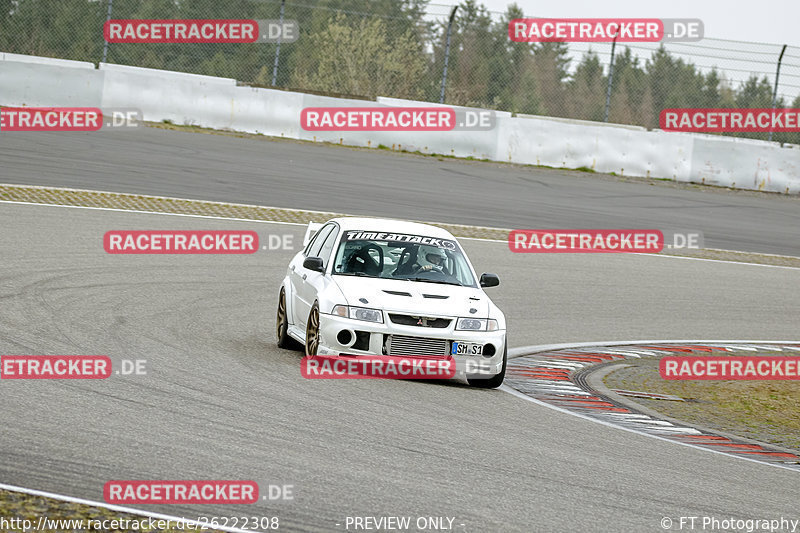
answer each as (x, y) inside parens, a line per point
(405, 345)
(423, 322)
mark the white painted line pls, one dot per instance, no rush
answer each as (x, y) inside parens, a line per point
(538, 348)
(742, 348)
(757, 253)
(653, 425)
(554, 364)
(636, 431)
(537, 362)
(767, 348)
(140, 212)
(726, 261)
(649, 353)
(656, 423)
(626, 415)
(552, 384)
(559, 390)
(668, 429)
(117, 508)
(633, 353)
(128, 195)
(132, 195)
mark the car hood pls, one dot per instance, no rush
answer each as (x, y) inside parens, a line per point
(414, 297)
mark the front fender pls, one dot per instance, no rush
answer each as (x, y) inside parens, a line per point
(329, 296)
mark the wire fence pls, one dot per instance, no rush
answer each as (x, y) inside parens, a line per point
(369, 48)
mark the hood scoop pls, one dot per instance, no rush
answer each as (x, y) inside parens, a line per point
(436, 296)
(398, 293)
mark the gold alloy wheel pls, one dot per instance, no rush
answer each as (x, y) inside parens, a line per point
(280, 322)
(312, 332)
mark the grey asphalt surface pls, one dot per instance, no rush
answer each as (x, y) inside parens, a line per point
(375, 182)
(221, 401)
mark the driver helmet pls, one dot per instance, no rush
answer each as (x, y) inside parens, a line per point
(431, 255)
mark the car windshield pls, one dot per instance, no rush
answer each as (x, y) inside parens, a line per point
(402, 256)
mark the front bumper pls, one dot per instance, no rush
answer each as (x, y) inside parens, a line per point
(372, 338)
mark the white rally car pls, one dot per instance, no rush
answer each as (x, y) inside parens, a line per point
(387, 287)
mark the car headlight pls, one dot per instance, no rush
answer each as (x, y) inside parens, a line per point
(476, 324)
(359, 313)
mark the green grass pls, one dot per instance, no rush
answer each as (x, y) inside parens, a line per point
(767, 411)
(18, 506)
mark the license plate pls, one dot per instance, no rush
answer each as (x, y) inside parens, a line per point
(466, 348)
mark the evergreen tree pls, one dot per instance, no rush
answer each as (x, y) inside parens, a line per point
(551, 61)
(518, 91)
(367, 63)
(587, 89)
(755, 93)
(469, 66)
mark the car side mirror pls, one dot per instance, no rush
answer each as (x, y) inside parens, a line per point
(314, 263)
(489, 280)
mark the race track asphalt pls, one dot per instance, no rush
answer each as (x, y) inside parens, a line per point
(301, 175)
(221, 401)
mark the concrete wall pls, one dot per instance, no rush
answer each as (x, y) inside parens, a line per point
(218, 103)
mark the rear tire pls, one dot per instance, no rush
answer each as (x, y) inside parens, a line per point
(496, 380)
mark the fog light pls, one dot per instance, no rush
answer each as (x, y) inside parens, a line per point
(346, 337)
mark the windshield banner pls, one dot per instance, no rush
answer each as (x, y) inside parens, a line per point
(399, 237)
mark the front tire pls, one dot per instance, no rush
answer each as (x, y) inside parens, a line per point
(312, 331)
(282, 325)
(496, 380)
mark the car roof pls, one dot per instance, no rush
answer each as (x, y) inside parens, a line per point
(388, 225)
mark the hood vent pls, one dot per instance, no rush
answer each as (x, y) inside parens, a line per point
(436, 296)
(398, 293)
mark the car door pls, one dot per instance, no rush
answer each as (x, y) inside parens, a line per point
(303, 287)
(316, 282)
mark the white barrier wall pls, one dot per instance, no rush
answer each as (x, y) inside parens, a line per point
(40, 81)
(624, 150)
(267, 112)
(175, 96)
(219, 103)
(746, 164)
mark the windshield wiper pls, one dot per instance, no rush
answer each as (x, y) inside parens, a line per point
(428, 280)
(353, 274)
